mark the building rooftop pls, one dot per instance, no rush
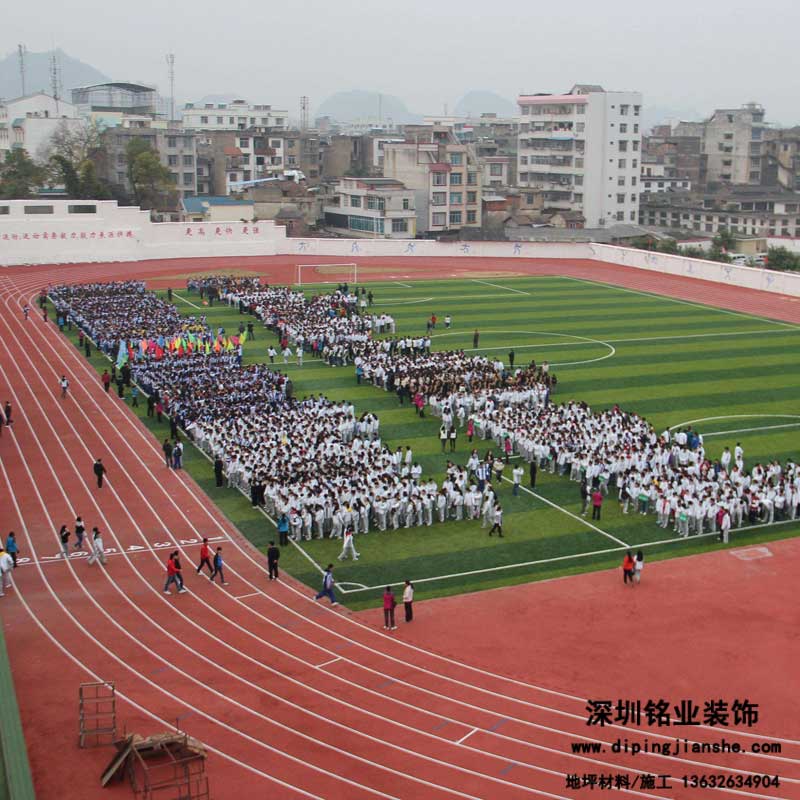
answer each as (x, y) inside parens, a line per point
(199, 204)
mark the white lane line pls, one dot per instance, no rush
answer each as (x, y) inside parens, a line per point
(249, 594)
(466, 736)
(498, 286)
(328, 663)
(749, 430)
(405, 285)
(654, 296)
(199, 308)
(570, 514)
(733, 416)
(702, 335)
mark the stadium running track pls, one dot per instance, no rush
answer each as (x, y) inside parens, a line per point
(479, 698)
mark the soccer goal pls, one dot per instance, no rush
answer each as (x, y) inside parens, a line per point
(326, 273)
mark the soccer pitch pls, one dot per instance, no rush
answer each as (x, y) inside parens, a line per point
(732, 376)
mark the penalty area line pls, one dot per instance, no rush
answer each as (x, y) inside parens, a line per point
(175, 294)
(498, 286)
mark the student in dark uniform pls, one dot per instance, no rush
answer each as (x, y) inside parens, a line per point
(511, 355)
(533, 470)
(219, 468)
(167, 448)
(99, 472)
(273, 557)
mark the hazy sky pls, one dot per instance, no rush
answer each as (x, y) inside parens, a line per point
(681, 54)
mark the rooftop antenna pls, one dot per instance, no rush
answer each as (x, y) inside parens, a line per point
(304, 113)
(171, 70)
(55, 78)
(21, 56)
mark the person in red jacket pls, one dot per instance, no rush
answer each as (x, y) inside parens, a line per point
(597, 503)
(174, 573)
(389, 604)
(106, 379)
(205, 558)
(627, 568)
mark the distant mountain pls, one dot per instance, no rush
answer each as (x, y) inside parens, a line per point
(358, 105)
(475, 103)
(37, 74)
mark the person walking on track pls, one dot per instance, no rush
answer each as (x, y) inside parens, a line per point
(174, 574)
(408, 600)
(6, 565)
(64, 384)
(11, 547)
(205, 558)
(327, 586)
(273, 557)
(218, 565)
(99, 472)
(63, 536)
(80, 529)
(98, 549)
(389, 604)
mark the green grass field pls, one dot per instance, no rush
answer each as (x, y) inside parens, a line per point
(671, 361)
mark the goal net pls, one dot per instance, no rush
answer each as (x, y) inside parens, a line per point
(326, 273)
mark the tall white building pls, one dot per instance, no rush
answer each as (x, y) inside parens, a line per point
(29, 122)
(236, 116)
(582, 150)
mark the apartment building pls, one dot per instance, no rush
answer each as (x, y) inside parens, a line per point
(372, 207)
(29, 122)
(582, 149)
(235, 116)
(781, 159)
(753, 211)
(176, 148)
(444, 175)
(732, 145)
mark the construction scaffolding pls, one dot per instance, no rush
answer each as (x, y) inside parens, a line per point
(97, 722)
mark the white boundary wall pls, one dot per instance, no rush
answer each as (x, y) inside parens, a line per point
(126, 234)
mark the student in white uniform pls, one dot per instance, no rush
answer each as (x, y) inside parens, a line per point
(348, 547)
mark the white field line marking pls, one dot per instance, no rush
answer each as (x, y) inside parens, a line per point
(405, 302)
(702, 335)
(655, 296)
(466, 736)
(750, 430)
(404, 285)
(734, 416)
(248, 555)
(569, 513)
(249, 594)
(328, 663)
(497, 286)
(554, 559)
(199, 308)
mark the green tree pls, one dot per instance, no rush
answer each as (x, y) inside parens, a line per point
(150, 179)
(90, 186)
(669, 246)
(782, 259)
(19, 176)
(62, 171)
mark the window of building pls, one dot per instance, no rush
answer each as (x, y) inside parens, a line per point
(188, 142)
(495, 169)
(173, 176)
(523, 176)
(526, 110)
(635, 144)
(578, 197)
(376, 203)
(172, 141)
(220, 120)
(622, 163)
(399, 225)
(279, 121)
(252, 120)
(727, 136)
(578, 180)
(456, 159)
(365, 224)
(456, 178)
(580, 127)
(578, 163)
(633, 180)
(204, 120)
(438, 218)
(523, 159)
(621, 180)
(439, 179)
(580, 108)
(633, 198)
(472, 197)
(172, 161)
(406, 204)
(231, 121)
(620, 216)
(636, 111)
(291, 160)
(245, 143)
(188, 161)
(635, 163)
(623, 145)
(5, 210)
(472, 179)
(456, 198)
(439, 199)
(277, 143)
(188, 178)
(755, 176)
(472, 216)
(623, 110)
(623, 127)
(79, 209)
(245, 159)
(355, 201)
(455, 217)
(289, 143)
(620, 198)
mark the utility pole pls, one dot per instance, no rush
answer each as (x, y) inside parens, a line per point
(171, 69)
(21, 56)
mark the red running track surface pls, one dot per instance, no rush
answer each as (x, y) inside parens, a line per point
(480, 698)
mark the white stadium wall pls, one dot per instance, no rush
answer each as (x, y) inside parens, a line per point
(113, 233)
